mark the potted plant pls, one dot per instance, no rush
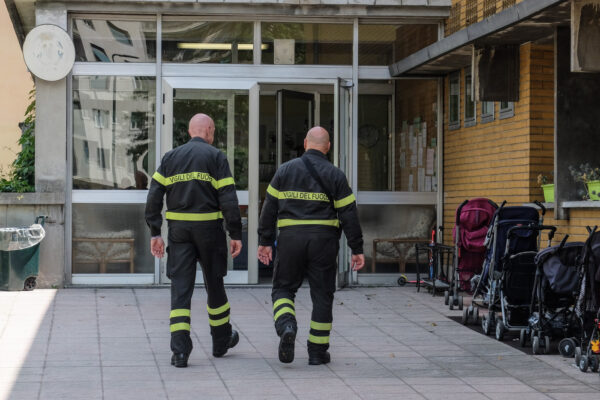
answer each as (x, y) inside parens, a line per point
(590, 177)
(548, 188)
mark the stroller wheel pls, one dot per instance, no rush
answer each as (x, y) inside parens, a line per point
(583, 364)
(402, 280)
(446, 297)
(523, 338)
(485, 325)
(500, 331)
(460, 302)
(451, 301)
(566, 347)
(546, 344)
(475, 315)
(594, 363)
(535, 345)
(465, 317)
(577, 355)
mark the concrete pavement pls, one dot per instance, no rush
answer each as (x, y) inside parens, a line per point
(387, 343)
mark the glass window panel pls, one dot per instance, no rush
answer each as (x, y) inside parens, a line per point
(229, 110)
(110, 239)
(454, 101)
(469, 102)
(487, 111)
(113, 132)
(386, 44)
(415, 142)
(507, 109)
(380, 227)
(373, 142)
(207, 42)
(103, 40)
(297, 43)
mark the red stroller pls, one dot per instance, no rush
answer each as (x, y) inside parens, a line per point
(473, 218)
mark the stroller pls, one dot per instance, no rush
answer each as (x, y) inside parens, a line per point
(587, 355)
(472, 220)
(553, 300)
(498, 251)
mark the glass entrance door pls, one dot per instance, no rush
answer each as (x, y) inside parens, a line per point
(233, 105)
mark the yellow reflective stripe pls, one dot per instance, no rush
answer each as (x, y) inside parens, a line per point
(284, 310)
(224, 182)
(321, 326)
(218, 322)
(189, 176)
(282, 301)
(344, 202)
(159, 178)
(180, 312)
(289, 222)
(273, 192)
(293, 195)
(218, 310)
(318, 339)
(177, 216)
(182, 326)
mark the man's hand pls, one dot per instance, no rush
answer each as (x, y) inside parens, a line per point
(265, 254)
(157, 247)
(235, 247)
(358, 261)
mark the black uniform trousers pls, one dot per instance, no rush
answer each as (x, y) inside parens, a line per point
(191, 242)
(306, 251)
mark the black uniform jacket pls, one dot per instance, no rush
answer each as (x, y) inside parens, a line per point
(199, 187)
(295, 199)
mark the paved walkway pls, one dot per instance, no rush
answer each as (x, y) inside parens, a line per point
(387, 343)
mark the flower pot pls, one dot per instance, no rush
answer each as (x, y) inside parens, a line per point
(548, 193)
(594, 190)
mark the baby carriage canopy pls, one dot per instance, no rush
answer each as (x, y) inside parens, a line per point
(524, 239)
(560, 267)
(589, 293)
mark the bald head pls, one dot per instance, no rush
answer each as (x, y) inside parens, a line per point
(317, 138)
(202, 126)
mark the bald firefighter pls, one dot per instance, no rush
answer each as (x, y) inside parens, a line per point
(309, 200)
(200, 193)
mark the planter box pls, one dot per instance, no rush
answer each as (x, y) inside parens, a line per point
(548, 193)
(594, 190)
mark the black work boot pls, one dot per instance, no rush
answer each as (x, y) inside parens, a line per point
(319, 358)
(220, 348)
(286, 344)
(179, 360)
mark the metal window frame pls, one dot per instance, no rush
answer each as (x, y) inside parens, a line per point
(453, 125)
(507, 112)
(470, 121)
(488, 117)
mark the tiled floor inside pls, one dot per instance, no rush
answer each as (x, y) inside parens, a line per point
(387, 343)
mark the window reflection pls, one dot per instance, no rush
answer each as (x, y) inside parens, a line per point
(99, 40)
(113, 132)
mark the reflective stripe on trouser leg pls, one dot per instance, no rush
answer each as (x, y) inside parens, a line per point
(283, 306)
(218, 316)
(319, 332)
(180, 320)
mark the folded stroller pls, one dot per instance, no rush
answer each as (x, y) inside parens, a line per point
(554, 295)
(473, 218)
(587, 354)
(486, 293)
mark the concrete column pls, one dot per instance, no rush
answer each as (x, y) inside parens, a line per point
(51, 116)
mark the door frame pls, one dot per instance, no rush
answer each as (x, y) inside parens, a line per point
(169, 84)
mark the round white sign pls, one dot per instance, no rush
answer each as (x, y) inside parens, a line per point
(49, 52)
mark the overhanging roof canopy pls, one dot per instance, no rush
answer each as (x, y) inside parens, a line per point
(530, 20)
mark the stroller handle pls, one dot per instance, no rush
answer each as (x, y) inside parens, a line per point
(541, 206)
(459, 210)
(539, 228)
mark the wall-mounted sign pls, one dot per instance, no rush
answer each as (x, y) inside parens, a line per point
(49, 52)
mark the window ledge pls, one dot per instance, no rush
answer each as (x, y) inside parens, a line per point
(581, 204)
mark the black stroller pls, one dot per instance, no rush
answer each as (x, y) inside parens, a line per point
(487, 289)
(554, 296)
(517, 279)
(587, 355)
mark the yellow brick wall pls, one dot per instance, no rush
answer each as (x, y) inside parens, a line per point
(501, 160)
(480, 8)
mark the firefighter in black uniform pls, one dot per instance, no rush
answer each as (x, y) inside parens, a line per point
(200, 193)
(308, 200)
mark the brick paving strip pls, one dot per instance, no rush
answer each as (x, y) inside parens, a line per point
(387, 343)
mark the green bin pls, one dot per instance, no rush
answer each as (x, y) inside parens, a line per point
(20, 256)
